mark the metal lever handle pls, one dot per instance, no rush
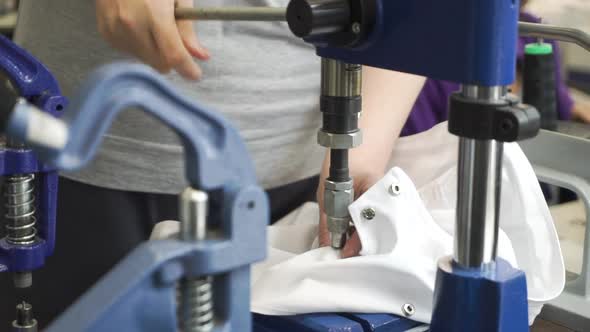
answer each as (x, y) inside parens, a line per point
(267, 14)
(214, 153)
(270, 14)
(555, 32)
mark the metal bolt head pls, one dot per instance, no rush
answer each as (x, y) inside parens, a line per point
(340, 141)
(356, 28)
(408, 309)
(395, 189)
(368, 213)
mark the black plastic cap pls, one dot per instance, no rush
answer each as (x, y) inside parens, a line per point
(309, 18)
(299, 18)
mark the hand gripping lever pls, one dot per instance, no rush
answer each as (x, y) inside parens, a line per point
(30, 187)
(139, 294)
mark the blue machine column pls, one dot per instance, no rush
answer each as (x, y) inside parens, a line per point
(475, 290)
(474, 44)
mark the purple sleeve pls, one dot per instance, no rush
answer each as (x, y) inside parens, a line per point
(431, 107)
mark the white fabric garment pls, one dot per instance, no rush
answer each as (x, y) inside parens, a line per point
(411, 230)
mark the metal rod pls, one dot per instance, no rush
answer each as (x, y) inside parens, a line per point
(340, 79)
(477, 203)
(546, 31)
(340, 106)
(196, 293)
(274, 14)
(261, 14)
(193, 215)
(478, 192)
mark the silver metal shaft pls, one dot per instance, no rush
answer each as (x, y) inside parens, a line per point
(261, 14)
(478, 191)
(339, 80)
(196, 294)
(193, 215)
(555, 32)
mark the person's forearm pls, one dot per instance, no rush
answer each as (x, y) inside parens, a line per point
(388, 98)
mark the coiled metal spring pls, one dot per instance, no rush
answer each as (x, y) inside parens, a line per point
(196, 305)
(19, 195)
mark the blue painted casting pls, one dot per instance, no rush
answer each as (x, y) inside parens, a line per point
(34, 82)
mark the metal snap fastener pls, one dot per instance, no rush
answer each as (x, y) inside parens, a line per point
(368, 213)
(395, 189)
(408, 309)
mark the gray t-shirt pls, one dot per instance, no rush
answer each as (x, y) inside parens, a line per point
(260, 77)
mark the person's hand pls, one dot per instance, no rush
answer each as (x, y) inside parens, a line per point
(362, 183)
(148, 30)
(581, 113)
(581, 107)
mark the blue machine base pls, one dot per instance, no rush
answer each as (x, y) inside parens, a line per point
(468, 300)
(326, 322)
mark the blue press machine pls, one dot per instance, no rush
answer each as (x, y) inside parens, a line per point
(471, 42)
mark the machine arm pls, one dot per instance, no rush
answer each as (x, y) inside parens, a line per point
(30, 78)
(30, 187)
(211, 261)
(571, 35)
(75, 139)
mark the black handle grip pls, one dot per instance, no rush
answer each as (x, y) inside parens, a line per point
(539, 83)
(336, 23)
(309, 18)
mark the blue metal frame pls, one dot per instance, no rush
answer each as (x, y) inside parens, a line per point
(471, 42)
(223, 157)
(34, 82)
(333, 322)
(139, 294)
(475, 300)
(465, 41)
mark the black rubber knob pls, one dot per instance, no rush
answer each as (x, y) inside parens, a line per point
(309, 18)
(539, 83)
